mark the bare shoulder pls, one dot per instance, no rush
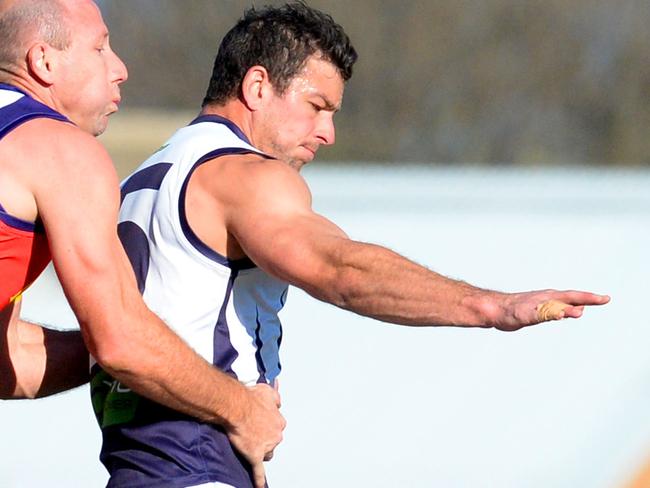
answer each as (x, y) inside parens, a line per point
(51, 152)
(250, 179)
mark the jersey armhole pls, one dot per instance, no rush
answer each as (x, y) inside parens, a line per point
(191, 237)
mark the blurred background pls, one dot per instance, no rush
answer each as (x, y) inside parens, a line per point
(501, 142)
(504, 82)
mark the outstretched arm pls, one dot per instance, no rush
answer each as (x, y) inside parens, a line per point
(278, 230)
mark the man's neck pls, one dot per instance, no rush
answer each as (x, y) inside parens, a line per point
(27, 85)
(236, 112)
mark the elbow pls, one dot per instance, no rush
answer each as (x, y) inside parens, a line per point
(115, 342)
(23, 394)
(340, 295)
(346, 280)
(127, 352)
(114, 354)
(25, 387)
(19, 391)
(337, 287)
(114, 357)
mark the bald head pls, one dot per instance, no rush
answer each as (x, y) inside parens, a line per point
(24, 22)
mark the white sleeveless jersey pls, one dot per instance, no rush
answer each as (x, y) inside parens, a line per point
(225, 310)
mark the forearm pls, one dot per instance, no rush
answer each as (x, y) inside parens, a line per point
(376, 282)
(379, 283)
(157, 364)
(42, 361)
(152, 360)
(139, 350)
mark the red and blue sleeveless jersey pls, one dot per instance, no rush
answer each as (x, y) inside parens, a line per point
(24, 251)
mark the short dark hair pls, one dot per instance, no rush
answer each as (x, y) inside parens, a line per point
(280, 39)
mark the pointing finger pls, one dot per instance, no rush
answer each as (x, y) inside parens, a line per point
(583, 298)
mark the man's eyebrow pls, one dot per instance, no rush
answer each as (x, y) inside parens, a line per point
(328, 103)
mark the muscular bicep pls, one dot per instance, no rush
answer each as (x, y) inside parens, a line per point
(298, 248)
(274, 224)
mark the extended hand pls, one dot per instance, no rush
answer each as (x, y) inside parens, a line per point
(524, 309)
(259, 430)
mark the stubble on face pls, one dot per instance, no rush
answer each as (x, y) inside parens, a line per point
(292, 124)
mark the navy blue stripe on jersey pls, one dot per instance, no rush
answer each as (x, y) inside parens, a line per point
(200, 246)
(150, 178)
(5, 86)
(283, 300)
(261, 368)
(222, 120)
(136, 245)
(224, 354)
(23, 110)
(39, 227)
(15, 222)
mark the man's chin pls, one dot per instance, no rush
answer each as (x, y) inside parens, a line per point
(101, 125)
(99, 130)
(296, 164)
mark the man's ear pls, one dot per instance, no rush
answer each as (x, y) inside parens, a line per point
(41, 61)
(256, 87)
